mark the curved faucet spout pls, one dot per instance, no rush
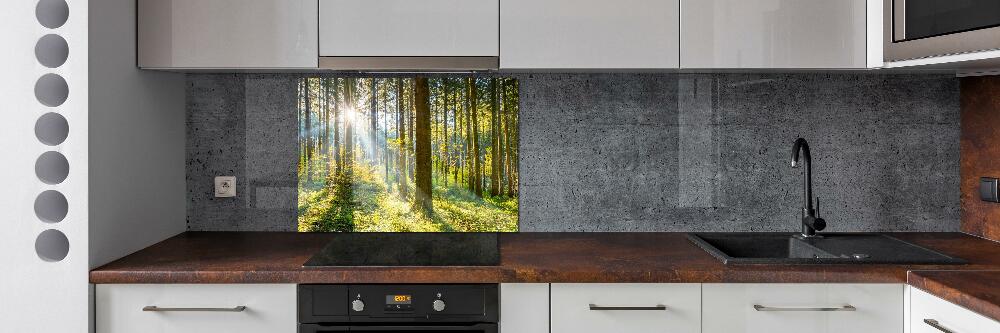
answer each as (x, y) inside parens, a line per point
(807, 188)
(810, 222)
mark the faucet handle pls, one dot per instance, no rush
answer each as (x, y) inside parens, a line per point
(817, 206)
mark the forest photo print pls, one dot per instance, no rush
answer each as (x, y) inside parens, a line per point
(407, 154)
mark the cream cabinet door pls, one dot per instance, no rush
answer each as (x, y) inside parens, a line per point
(802, 308)
(202, 308)
(409, 28)
(589, 34)
(774, 34)
(930, 314)
(220, 34)
(524, 308)
(625, 308)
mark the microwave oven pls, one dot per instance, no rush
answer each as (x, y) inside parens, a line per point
(915, 29)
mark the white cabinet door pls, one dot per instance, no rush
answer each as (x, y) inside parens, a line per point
(773, 34)
(524, 308)
(625, 308)
(227, 33)
(270, 308)
(927, 310)
(409, 28)
(589, 34)
(802, 308)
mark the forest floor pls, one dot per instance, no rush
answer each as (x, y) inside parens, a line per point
(364, 202)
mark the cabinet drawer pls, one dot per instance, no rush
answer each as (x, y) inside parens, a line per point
(625, 308)
(946, 315)
(802, 308)
(269, 308)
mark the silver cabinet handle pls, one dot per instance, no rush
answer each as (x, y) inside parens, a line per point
(935, 324)
(759, 307)
(657, 307)
(154, 308)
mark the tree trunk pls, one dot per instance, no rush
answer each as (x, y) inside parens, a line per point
(336, 125)
(494, 139)
(385, 137)
(469, 158)
(309, 134)
(454, 134)
(373, 150)
(349, 130)
(401, 136)
(423, 149)
(444, 127)
(412, 109)
(516, 138)
(475, 143)
(301, 125)
(459, 135)
(508, 147)
(325, 83)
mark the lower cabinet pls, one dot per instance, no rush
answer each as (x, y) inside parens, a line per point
(802, 308)
(930, 314)
(569, 308)
(195, 308)
(625, 307)
(524, 307)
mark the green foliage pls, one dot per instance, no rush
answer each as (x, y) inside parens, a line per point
(364, 203)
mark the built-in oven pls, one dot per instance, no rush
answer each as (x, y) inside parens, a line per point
(386, 308)
(928, 28)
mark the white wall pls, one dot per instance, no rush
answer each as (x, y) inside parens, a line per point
(136, 138)
(137, 191)
(38, 295)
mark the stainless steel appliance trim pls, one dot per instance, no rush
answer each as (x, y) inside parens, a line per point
(658, 307)
(935, 324)
(154, 308)
(410, 63)
(848, 307)
(957, 43)
(898, 20)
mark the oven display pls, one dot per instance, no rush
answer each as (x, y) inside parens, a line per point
(398, 303)
(398, 299)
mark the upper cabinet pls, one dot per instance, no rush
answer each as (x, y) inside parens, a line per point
(193, 34)
(589, 34)
(778, 34)
(535, 35)
(362, 34)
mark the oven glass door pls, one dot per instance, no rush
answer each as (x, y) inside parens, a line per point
(929, 18)
(477, 328)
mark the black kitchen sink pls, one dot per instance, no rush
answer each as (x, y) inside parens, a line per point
(832, 248)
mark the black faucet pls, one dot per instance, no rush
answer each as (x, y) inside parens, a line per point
(810, 221)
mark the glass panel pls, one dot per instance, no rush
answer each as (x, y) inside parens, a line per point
(928, 18)
(407, 154)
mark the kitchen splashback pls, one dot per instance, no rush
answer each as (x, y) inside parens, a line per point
(638, 152)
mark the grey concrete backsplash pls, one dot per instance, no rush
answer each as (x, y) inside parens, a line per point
(640, 152)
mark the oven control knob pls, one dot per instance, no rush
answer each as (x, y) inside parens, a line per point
(358, 305)
(438, 305)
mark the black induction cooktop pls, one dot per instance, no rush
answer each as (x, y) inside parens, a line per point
(409, 249)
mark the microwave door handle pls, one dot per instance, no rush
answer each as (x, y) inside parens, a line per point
(898, 18)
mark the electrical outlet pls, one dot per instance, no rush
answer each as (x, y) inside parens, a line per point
(225, 187)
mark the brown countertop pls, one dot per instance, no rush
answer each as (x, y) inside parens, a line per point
(974, 290)
(269, 257)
